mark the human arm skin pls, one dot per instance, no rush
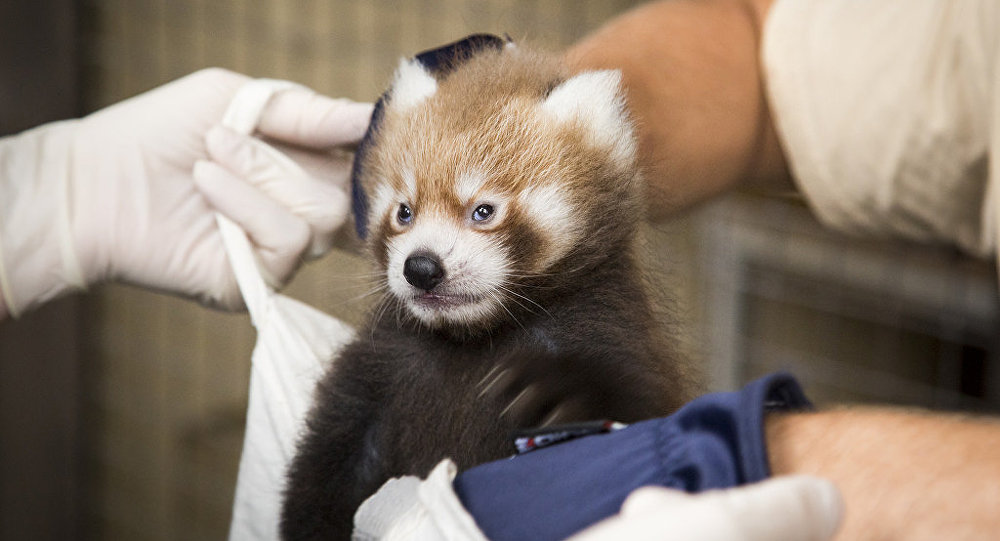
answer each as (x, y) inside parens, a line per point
(902, 474)
(694, 86)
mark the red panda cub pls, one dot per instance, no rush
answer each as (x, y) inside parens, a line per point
(500, 200)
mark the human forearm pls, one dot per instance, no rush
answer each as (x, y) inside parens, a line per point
(691, 71)
(903, 475)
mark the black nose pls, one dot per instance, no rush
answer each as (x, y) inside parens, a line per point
(423, 271)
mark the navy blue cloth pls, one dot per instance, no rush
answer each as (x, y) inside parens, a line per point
(715, 441)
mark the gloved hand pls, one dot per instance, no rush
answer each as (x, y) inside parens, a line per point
(796, 508)
(117, 195)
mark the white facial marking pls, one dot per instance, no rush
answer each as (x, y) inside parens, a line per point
(384, 198)
(410, 181)
(475, 267)
(594, 98)
(468, 184)
(387, 199)
(550, 208)
(411, 85)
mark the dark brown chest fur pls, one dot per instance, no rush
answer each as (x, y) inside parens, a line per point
(401, 398)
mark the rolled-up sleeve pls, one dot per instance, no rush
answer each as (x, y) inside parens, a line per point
(888, 114)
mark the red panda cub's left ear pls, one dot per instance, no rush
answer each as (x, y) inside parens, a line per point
(593, 100)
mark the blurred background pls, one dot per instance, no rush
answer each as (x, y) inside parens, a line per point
(122, 411)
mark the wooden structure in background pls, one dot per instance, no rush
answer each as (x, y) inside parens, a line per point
(41, 439)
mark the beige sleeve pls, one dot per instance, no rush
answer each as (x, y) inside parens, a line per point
(888, 112)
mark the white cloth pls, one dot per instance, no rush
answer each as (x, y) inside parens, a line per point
(889, 113)
(407, 508)
(294, 344)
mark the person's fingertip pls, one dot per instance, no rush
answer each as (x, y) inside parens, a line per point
(347, 121)
(202, 171)
(646, 499)
(220, 139)
(355, 118)
(279, 260)
(331, 215)
(207, 175)
(829, 502)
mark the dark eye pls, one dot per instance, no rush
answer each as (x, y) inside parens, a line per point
(482, 213)
(404, 214)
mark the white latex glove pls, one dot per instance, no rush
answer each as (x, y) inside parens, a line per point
(796, 508)
(112, 196)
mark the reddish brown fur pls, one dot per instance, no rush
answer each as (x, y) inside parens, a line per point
(498, 129)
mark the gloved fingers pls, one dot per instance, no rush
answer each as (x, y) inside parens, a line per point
(789, 508)
(278, 235)
(213, 81)
(333, 166)
(664, 522)
(653, 499)
(322, 204)
(794, 507)
(303, 117)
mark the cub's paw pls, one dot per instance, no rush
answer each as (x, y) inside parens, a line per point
(533, 388)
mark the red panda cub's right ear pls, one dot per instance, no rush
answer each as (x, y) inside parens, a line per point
(411, 85)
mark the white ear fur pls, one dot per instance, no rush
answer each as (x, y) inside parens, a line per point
(411, 85)
(594, 99)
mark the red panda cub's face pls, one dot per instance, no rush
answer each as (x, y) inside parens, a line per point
(500, 173)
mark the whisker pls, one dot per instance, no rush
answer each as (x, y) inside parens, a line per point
(500, 302)
(518, 303)
(532, 275)
(380, 288)
(379, 311)
(518, 295)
